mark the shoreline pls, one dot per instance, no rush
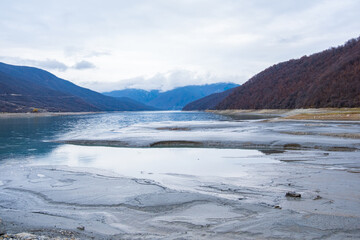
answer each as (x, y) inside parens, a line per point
(43, 114)
(334, 114)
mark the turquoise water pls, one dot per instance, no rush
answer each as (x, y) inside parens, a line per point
(32, 136)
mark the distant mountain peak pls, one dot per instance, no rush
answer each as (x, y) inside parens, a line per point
(174, 99)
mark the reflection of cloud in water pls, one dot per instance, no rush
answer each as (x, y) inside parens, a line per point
(133, 161)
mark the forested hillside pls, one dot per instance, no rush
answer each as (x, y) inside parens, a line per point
(23, 89)
(327, 79)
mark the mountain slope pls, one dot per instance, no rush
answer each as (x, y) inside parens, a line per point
(25, 88)
(327, 79)
(208, 102)
(174, 99)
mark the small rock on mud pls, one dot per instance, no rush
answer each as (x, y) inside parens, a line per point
(81, 228)
(293, 194)
(318, 197)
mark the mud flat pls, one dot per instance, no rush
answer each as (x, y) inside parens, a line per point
(247, 199)
(261, 134)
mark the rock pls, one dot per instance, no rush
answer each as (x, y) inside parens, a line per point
(25, 235)
(81, 228)
(2, 228)
(277, 207)
(318, 197)
(293, 194)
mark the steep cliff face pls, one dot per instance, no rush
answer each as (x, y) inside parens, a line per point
(327, 79)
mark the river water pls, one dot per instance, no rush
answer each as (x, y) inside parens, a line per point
(36, 140)
(32, 136)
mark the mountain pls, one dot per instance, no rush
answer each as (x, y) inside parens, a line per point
(139, 95)
(25, 88)
(208, 102)
(174, 99)
(327, 79)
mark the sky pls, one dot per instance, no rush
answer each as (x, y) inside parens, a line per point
(162, 44)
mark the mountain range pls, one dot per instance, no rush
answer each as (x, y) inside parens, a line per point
(208, 102)
(327, 79)
(174, 99)
(23, 89)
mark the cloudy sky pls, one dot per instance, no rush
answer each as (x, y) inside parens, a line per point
(162, 44)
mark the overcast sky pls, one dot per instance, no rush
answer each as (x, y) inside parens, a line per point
(162, 44)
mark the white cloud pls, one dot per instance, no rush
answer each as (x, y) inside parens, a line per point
(132, 42)
(50, 64)
(83, 65)
(161, 81)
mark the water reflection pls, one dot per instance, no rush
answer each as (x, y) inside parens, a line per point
(136, 161)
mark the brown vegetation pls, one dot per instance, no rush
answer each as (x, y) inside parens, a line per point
(327, 79)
